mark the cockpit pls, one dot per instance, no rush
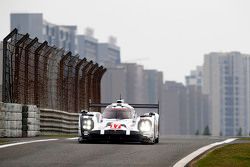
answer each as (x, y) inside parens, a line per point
(117, 113)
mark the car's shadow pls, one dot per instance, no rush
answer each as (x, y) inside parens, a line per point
(116, 142)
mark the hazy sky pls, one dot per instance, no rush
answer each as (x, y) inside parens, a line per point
(168, 35)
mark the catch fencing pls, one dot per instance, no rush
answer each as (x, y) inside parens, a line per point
(46, 76)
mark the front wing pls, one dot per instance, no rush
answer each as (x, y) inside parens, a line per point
(114, 135)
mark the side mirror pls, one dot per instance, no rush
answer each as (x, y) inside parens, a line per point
(151, 114)
(83, 112)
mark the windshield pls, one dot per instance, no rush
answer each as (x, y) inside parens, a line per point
(117, 113)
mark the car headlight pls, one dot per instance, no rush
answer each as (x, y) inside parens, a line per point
(145, 125)
(87, 124)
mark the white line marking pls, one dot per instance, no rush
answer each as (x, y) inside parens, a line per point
(73, 138)
(26, 142)
(184, 161)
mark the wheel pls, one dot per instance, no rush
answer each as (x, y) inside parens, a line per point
(152, 141)
(157, 140)
(81, 140)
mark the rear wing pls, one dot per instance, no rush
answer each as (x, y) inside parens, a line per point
(156, 106)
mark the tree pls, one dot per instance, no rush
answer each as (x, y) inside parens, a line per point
(206, 131)
(239, 132)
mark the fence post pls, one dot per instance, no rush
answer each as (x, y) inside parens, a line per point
(61, 84)
(96, 80)
(45, 78)
(7, 60)
(26, 70)
(16, 93)
(36, 68)
(89, 84)
(77, 80)
(83, 86)
(99, 78)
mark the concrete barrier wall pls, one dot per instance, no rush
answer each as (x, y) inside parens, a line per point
(13, 124)
(10, 120)
(33, 121)
(17, 120)
(58, 122)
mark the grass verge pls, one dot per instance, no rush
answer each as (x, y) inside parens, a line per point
(232, 155)
(244, 138)
(3, 141)
(59, 136)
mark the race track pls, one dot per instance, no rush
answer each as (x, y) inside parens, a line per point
(65, 152)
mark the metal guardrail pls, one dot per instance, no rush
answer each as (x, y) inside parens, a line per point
(35, 73)
(58, 122)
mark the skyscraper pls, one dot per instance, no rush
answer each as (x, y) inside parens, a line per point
(88, 45)
(108, 54)
(114, 84)
(227, 83)
(154, 83)
(62, 36)
(195, 77)
(135, 84)
(174, 109)
(197, 102)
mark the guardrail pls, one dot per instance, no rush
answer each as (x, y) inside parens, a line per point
(58, 122)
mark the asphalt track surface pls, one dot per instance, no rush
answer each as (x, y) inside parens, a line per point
(64, 152)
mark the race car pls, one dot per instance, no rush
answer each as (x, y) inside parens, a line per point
(119, 122)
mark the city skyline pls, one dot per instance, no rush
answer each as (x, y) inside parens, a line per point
(156, 34)
(192, 108)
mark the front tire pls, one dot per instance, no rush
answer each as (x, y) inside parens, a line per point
(157, 140)
(149, 141)
(81, 140)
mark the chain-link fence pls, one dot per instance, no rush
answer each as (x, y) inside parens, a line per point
(35, 73)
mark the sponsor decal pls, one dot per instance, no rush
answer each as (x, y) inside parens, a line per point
(115, 125)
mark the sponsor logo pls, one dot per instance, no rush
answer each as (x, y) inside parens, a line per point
(115, 126)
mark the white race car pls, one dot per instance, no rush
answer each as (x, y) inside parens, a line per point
(119, 122)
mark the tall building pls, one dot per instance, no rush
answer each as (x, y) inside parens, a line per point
(135, 84)
(197, 110)
(195, 77)
(61, 36)
(108, 54)
(114, 84)
(227, 83)
(174, 109)
(154, 85)
(197, 102)
(88, 45)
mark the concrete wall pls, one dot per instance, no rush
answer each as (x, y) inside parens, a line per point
(1, 69)
(17, 120)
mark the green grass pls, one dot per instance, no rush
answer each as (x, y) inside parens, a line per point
(244, 138)
(59, 136)
(232, 155)
(3, 141)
